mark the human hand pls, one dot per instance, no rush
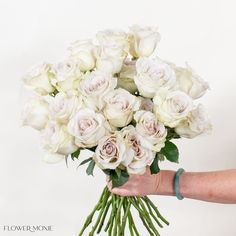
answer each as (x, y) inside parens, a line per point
(138, 185)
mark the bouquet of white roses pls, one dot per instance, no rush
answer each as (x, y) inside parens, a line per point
(113, 97)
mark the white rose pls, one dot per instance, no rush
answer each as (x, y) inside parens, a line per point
(170, 107)
(39, 79)
(52, 158)
(153, 74)
(112, 50)
(66, 75)
(63, 106)
(35, 113)
(95, 86)
(120, 106)
(112, 151)
(142, 157)
(56, 139)
(151, 130)
(146, 104)
(83, 52)
(189, 82)
(143, 40)
(197, 123)
(88, 127)
(126, 76)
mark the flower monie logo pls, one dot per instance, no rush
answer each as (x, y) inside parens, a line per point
(29, 228)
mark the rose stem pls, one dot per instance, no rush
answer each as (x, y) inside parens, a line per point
(112, 213)
(156, 210)
(151, 213)
(124, 219)
(119, 214)
(130, 224)
(133, 224)
(147, 214)
(104, 201)
(104, 217)
(141, 215)
(118, 200)
(90, 217)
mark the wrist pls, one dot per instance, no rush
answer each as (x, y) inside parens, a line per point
(166, 180)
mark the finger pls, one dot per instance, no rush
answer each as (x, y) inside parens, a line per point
(121, 192)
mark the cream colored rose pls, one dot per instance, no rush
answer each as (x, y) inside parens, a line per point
(151, 130)
(82, 51)
(197, 123)
(56, 139)
(35, 113)
(95, 86)
(153, 74)
(171, 107)
(112, 50)
(126, 76)
(189, 82)
(120, 106)
(146, 104)
(112, 152)
(39, 79)
(143, 40)
(63, 106)
(66, 76)
(142, 157)
(88, 127)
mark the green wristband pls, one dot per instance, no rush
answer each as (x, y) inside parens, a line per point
(176, 183)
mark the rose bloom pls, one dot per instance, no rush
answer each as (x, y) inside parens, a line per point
(112, 152)
(35, 113)
(39, 79)
(151, 130)
(66, 76)
(142, 157)
(52, 157)
(189, 82)
(88, 127)
(82, 51)
(143, 40)
(146, 104)
(196, 123)
(112, 50)
(56, 139)
(120, 106)
(153, 74)
(95, 86)
(63, 106)
(126, 76)
(171, 107)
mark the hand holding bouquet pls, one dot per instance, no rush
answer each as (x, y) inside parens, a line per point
(113, 97)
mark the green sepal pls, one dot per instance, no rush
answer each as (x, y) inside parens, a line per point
(154, 168)
(171, 134)
(90, 167)
(75, 155)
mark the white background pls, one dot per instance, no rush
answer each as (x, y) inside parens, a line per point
(201, 32)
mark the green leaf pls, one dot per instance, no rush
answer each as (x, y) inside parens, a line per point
(171, 134)
(90, 167)
(154, 168)
(118, 181)
(171, 152)
(108, 171)
(75, 155)
(118, 172)
(85, 161)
